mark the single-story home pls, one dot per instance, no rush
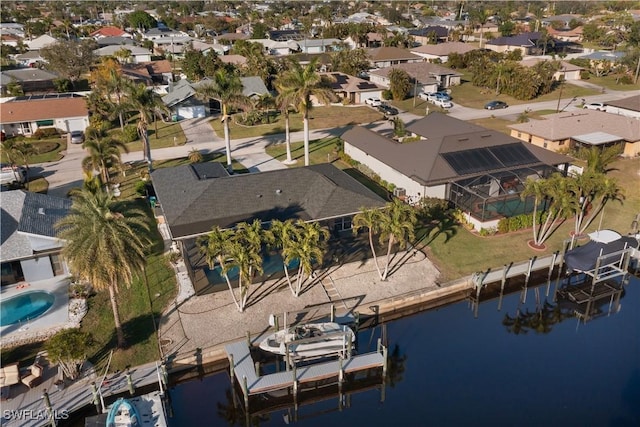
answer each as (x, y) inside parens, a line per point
(430, 77)
(585, 127)
(442, 51)
(237, 60)
(183, 103)
(430, 34)
(195, 198)
(382, 57)
(526, 42)
(109, 31)
(117, 41)
(567, 70)
(23, 116)
(481, 171)
(40, 42)
(278, 48)
(311, 46)
(29, 58)
(629, 107)
(31, 80)
(138, 54)
(30, 250)
(354, 89)
(163, 32)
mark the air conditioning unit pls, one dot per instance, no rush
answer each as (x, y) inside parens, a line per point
(399, 192)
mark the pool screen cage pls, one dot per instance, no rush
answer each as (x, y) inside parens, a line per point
(496, 195)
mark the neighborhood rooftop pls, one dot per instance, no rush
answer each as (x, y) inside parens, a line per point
(193, 204)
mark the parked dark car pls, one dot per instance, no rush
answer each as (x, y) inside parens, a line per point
(495, 105)
(388, 110)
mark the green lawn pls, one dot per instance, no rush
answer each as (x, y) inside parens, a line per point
(609, 82)
(321, 118)
(167, 131)
(45, 150)
(475, 97)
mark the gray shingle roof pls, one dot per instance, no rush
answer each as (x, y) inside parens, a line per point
(631, 103)
(192, 206)
(253, 85)
(522, 39)
(21, 217)
(423, 161)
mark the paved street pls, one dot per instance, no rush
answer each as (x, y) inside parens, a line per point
(67, 172)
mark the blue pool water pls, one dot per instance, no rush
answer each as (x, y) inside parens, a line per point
(271, 264)
(457, 370)
(24, 307)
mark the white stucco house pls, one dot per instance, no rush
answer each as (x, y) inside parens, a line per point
(24, 116)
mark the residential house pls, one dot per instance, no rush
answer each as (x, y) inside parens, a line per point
(115, 41)
(174, 46)
(430, 77)
(312, 46)
(205, 48)
(441, 51)
(382, 57)
(40, 42)
(137, 73)
(372, 40)
(573, 36)
(284, 35)
(163, 32)
(526, 42)
(567, 70)
(237, 60)
(161, 71)
(12, 28)
(278, 48)
(564, 20)
(30, 250)
(137, 54)
(25, 115)
(629, 107)
(429, 35)
(479, 170)
(10, 40)
(110, 32)
(353, 89)
(567, 130)
(192, 201)
(229, 38)
(181, 97)
(32, 80)
(30, 58)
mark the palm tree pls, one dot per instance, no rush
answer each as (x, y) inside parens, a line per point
(309, 247)
(116, 85)
(284, 104)
(480, 17)
(399, 83)
(283, 235)
(226, 88)
(397, 225)
(298, 84)
(245, 253)
(105, 244)
(104, 153)
(371, 219)
(148, 104)
(195, 156)
(215, 247)
(605, 189)
(598, 160)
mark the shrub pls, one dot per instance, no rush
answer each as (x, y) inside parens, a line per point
(625, 80)
(488, 231)
(140, 188)
(68, 348)
(42, 133)
(130, 133)
(386, 94)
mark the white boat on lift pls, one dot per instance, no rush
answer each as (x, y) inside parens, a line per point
(310, 340)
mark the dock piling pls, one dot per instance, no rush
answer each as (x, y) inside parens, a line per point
(47, 404)
(231, 365)
(96, 398)
(130, 386)
(502, 283)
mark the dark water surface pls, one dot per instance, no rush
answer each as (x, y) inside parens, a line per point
(462, 371)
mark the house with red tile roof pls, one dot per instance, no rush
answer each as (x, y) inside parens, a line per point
(24, 115)
(110, 32)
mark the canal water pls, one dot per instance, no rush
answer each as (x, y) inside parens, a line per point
(450, 369)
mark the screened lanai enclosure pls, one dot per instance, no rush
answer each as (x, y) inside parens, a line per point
(496, 195)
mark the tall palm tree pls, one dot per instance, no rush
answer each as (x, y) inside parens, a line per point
(215, 247)
(397, 226)
(371, 219)
(105, 244)
(245, 254)
(285, 101)
(116, 86)
(606, 190)
(17, 153)
(103, 154)
(283, 235)
(308, 248)
(299, 83)
(480, 16)
(226, 88)
(148, 104)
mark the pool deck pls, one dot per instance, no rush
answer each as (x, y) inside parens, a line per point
(196, 330)
(54, 319)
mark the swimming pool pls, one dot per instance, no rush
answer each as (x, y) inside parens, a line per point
(24, 307)
(272, 265)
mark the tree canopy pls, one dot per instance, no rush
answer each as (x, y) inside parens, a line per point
(70, 58)
(141, 20)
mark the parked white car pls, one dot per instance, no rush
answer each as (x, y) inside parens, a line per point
(443, 103)
(374, 102)
(595, 106)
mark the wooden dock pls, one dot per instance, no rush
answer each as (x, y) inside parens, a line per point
(243, 368)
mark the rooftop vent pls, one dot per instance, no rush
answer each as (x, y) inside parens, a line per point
(41, 211)
(278, 191)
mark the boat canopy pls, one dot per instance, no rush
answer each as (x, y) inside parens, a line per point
(584, 258)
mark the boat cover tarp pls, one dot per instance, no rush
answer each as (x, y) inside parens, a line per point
(584, 258)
